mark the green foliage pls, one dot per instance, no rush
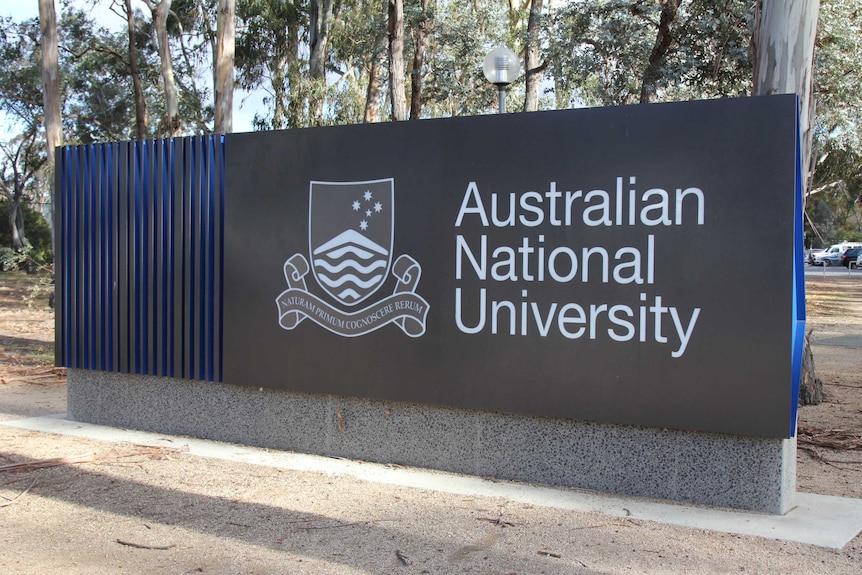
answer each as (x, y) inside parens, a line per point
(838, 123)
(461, 37)
(594, 52)
(38, 235)
(832, 202)
(20, 72)
(838, 73)
(267, 57)
(99, 103)
(599, 50)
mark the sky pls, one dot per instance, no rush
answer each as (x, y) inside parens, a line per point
(244, 103)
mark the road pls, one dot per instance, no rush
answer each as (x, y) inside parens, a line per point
(832, 271)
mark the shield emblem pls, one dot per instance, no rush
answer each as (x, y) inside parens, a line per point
(350, 227)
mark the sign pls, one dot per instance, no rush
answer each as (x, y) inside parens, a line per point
(629, 265)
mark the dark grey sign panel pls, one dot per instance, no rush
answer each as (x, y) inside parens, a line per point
(630, 265)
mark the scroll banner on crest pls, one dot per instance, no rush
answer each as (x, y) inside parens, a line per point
(404, 307)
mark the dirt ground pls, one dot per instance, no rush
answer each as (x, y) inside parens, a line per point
(111, 508)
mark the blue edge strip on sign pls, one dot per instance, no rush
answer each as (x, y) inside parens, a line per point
(798, 288)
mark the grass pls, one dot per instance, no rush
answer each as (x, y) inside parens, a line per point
(26, 321)
(832, 297)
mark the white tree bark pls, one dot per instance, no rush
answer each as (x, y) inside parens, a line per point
(784, 58)
(224, 66)
(160, 12)
(50, 98)
(783, 41)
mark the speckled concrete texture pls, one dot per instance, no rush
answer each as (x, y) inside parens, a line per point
(757, 474)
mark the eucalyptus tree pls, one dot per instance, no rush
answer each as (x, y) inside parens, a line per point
(532, 69)
(612, 52)
(359, 61)
(397, 89)
(422, 22)
(99, 68)
(267, 57)
(160, 11)
(23, 153)
(838, 74)
(463, 33)
(21, 73)
(21, 160)
(321, 17)
(50, 96)
(224, 66)
(836, 185)
(137, 83)
(784, 34)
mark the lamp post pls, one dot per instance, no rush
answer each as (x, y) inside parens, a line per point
(501, 68)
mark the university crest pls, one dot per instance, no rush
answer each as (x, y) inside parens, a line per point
(350, 245)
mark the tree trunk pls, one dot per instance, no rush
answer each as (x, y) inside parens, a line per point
(140, 102)
(811, 391)
(296, 105)
(16, 225)
(783, 44)
(224, 66)
(396, 60)
(663, 40)
(160, 12)
(420, 39)
(372, 95)
(783, 48)
(279, 112)
(533, 77)
(50, 98)
(320, 15)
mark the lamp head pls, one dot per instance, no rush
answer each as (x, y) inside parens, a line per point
(501, 66)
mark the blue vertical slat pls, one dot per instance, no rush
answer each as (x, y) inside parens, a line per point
(156, 259)
(159, 176)
(218, 244)
(166, 267)
(80, 259)
(84, 293)
(63, 278)
(89, 312)
(211, 266)
(59, 243)
(67, 270)
(146, 234)
(135, 263)
(111, 257)
(123, 237)
(191, 194)
(177, 268)
(96, 247)
(151, 249)
(140, 257)
(206, 288)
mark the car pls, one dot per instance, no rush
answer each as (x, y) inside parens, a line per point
(809, 258)
(850, 255)
(832, 255)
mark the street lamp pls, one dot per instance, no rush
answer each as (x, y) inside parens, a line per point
(501, 68)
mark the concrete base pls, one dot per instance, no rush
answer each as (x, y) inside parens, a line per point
(756, 474)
